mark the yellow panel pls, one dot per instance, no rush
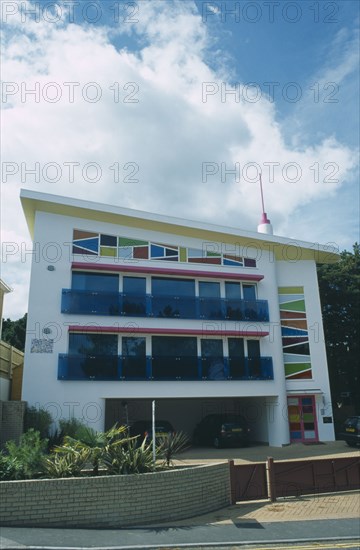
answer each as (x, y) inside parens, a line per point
(108, 251)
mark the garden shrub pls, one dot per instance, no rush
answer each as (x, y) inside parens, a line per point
(38, 419)
(28, 454)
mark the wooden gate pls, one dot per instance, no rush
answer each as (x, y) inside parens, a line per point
(248, 481)
(303, 477)
(293, 478)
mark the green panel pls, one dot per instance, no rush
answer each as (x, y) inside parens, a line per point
(291, 290)
(215, 254)
(294, 368)
(183, 255)
(308, 417)
(124, 241)
(108, 251)
(298, 305)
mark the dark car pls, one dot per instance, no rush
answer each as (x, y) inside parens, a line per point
(143, 428)
(222, 430)
(351, 431)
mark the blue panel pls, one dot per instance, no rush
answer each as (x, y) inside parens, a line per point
(157, 251)
(286, 331)
(90, 244)
(231, 263)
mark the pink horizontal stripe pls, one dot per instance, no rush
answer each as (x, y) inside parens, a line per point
(166, 271)
(149, 330)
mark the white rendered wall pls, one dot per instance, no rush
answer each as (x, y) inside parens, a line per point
(303, 273)
(86, 399)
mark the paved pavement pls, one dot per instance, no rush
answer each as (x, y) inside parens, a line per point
(293, 518)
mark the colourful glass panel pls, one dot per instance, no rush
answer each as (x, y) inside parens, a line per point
(108, 251)
(141, 252)
(296, 305)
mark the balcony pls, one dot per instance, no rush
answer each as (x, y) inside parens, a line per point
(86, 302)
(160, 367)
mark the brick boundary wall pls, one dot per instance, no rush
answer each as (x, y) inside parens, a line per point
(115, 501)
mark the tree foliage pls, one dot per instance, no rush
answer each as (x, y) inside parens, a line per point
(14, 332)
(339, 286)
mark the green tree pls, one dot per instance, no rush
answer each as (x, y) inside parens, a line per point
(339, 286)
(14, 332)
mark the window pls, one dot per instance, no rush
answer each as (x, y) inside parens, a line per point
(93, 356)
(173, 297)
(162, 286)
(236, 358)
(134, 358)
(212, 359)
(95, 281)
(134, 290)
(210, 302)
(254, 360)
(174, 357)
(249, 292)
(93, 344)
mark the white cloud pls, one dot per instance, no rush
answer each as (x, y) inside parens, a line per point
(168, 134)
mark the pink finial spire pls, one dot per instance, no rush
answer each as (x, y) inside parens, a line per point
(264, 218)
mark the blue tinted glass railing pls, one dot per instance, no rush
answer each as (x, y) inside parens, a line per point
(160, 367)
(183, 307)
(179, 307)
(251, 368)
(88, 301)
(174, 368)
(77, 367)
(211, 308)
(247, 310)
(134, 305)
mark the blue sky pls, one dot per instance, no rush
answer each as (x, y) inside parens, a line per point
(166, 122)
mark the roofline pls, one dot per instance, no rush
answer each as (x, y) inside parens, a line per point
(33, 201)
(4, 287)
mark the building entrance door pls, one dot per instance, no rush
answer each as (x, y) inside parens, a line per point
(302, 418)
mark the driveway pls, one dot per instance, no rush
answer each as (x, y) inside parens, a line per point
(260, 452)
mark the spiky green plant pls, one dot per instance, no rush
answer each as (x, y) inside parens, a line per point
(129, 458)
(98, 443)
(171, 444)
(69, 464)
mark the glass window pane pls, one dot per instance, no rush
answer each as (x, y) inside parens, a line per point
(161, 286)
(233, 290)
(209, 290)
(236, 347)
(249, 292)
(93, 344)
(253, 347)
(134, 285)
(95, 281)
(133, 346)
(175, 346)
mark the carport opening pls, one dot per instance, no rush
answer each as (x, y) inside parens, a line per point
(185, 414)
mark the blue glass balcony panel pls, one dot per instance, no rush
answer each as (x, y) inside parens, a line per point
(134, 368)
(134, 305)
(93, 302)
(211, 308)
(165, 367)
(160, 367)
(183, 307)
(77, 367)
(180, 307)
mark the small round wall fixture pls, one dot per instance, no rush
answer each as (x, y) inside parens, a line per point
(47, 330)
(51, 268)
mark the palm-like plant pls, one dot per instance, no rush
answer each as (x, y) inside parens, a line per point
(172, 444)
(97, 443)
(129, 459)
(68, 464)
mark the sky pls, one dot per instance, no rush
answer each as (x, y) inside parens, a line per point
(175, 107)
